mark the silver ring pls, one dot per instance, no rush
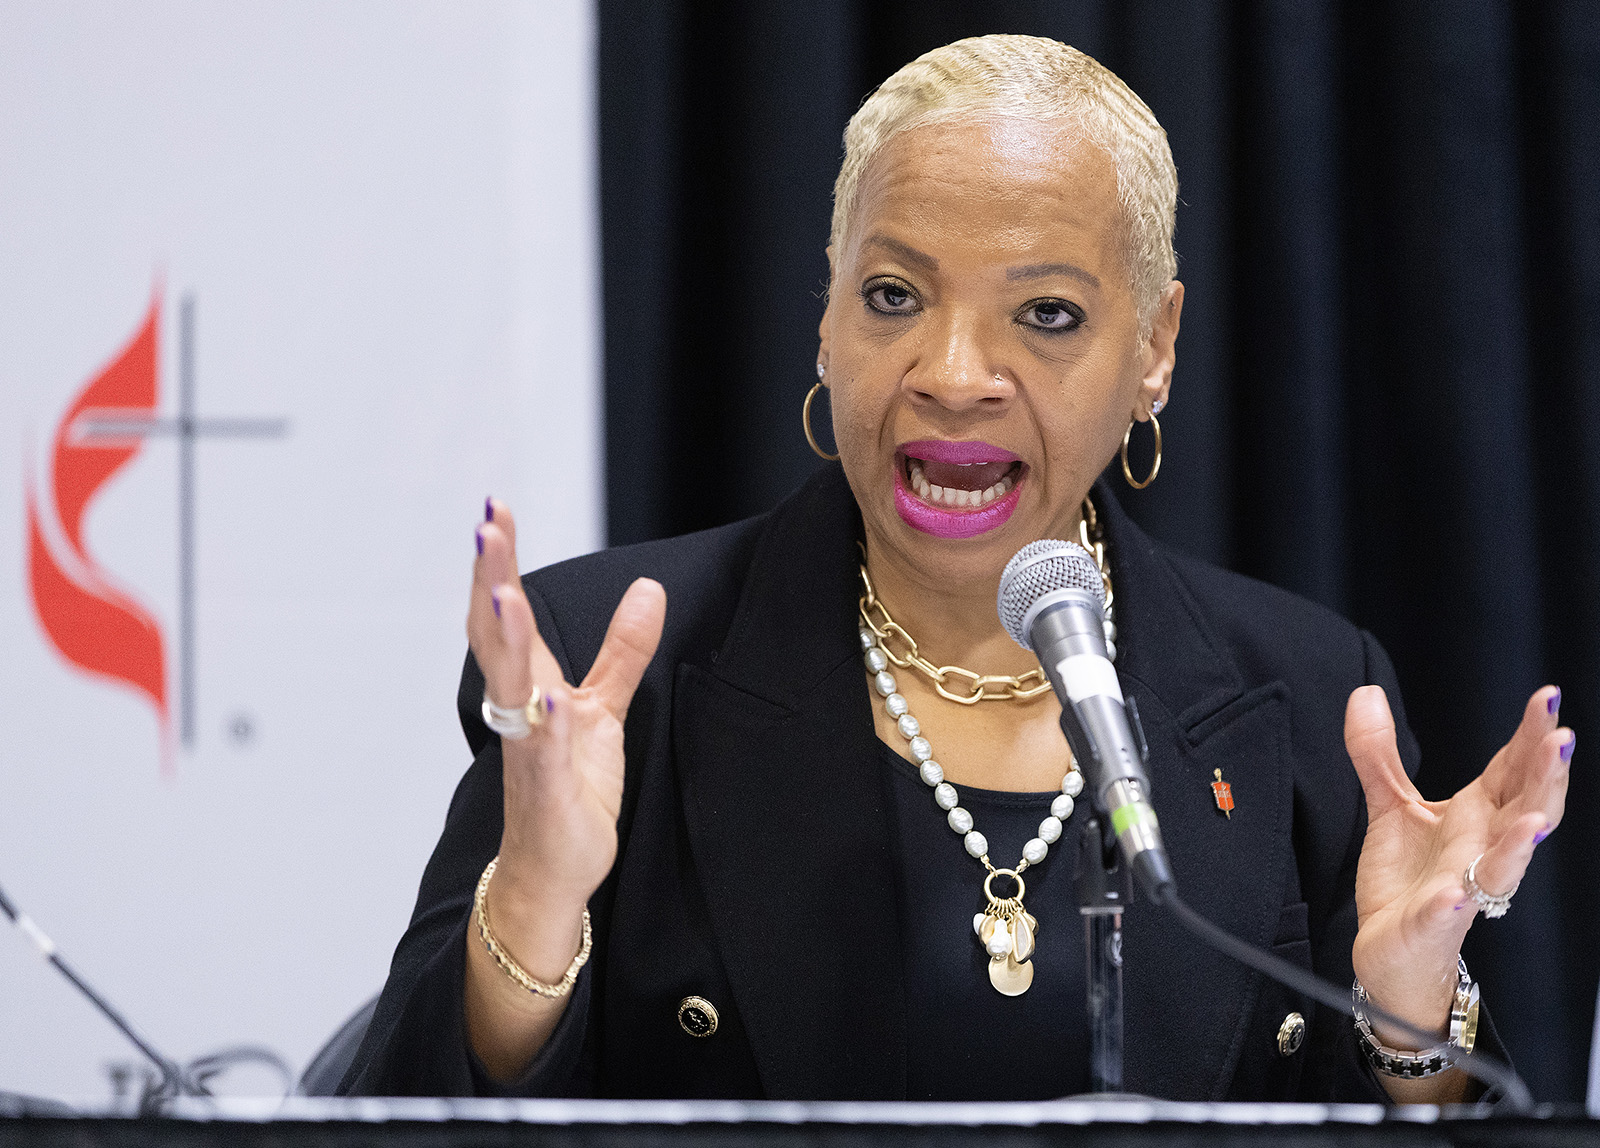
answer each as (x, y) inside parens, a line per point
(1492, 905)
(515, 722)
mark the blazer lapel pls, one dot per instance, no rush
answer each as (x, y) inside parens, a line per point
(788, 815)
(1187, 1008)
(789, 826)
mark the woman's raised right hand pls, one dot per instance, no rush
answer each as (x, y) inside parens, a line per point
(563, 783)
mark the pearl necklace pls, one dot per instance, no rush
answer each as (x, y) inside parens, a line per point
(1007, 931)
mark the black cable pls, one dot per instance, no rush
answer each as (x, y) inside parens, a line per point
(202, 1068)
(1477, 1065)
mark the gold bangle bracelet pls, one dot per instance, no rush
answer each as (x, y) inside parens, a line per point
(508, 965)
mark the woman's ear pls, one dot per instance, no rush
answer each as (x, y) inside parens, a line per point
(1160, 352)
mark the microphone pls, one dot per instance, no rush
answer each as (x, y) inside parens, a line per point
(1052, 601)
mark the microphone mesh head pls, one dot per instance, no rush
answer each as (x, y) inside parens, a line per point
(1038, 569)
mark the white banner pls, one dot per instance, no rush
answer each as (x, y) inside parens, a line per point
(285, 291)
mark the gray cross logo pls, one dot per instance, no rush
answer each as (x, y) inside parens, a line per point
(188, 428)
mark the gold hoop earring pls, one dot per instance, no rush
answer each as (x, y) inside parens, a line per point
(1155, 467)
(805, 421)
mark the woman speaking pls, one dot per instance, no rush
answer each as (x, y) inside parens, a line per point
(737, 836)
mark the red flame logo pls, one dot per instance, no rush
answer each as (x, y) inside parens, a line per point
(95, 626)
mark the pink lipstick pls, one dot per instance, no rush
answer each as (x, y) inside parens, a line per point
(956, 489)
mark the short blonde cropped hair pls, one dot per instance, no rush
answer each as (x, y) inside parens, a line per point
(1036, 78)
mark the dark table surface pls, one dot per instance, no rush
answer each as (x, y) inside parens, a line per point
(634, 1124)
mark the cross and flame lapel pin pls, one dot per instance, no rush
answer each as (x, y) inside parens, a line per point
(1223, 793)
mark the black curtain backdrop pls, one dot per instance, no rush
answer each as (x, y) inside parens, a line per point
(1385, 396)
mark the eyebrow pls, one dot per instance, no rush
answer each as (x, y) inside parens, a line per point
(926, 262)
(1043, 270)
(904, 251)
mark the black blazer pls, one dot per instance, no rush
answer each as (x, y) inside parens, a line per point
(754, 833)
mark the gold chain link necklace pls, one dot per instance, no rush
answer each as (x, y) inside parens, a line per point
(875, 616)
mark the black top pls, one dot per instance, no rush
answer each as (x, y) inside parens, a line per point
(730, 886)
(964, 1040)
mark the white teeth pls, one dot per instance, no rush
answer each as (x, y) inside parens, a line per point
(955, 496)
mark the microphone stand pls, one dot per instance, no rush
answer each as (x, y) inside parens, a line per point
(171, 1080)
(1104, 887)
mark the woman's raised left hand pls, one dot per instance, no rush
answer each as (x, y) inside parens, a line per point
(1411, 896)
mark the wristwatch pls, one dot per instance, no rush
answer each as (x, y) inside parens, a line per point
(1428, 1061)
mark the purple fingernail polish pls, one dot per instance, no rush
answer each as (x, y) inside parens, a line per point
(1566, 750)
(549, 704)
(1555, 700)
(488, 509)
(494, 596)
(1540, 836)
(479, 534)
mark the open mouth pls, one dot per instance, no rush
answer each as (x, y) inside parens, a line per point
(956, 489)
(960, 486)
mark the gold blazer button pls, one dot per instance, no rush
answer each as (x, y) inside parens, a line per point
(697, 1016)
(1291, 1034)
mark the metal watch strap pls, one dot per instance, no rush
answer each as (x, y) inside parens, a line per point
(1428, 1061)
